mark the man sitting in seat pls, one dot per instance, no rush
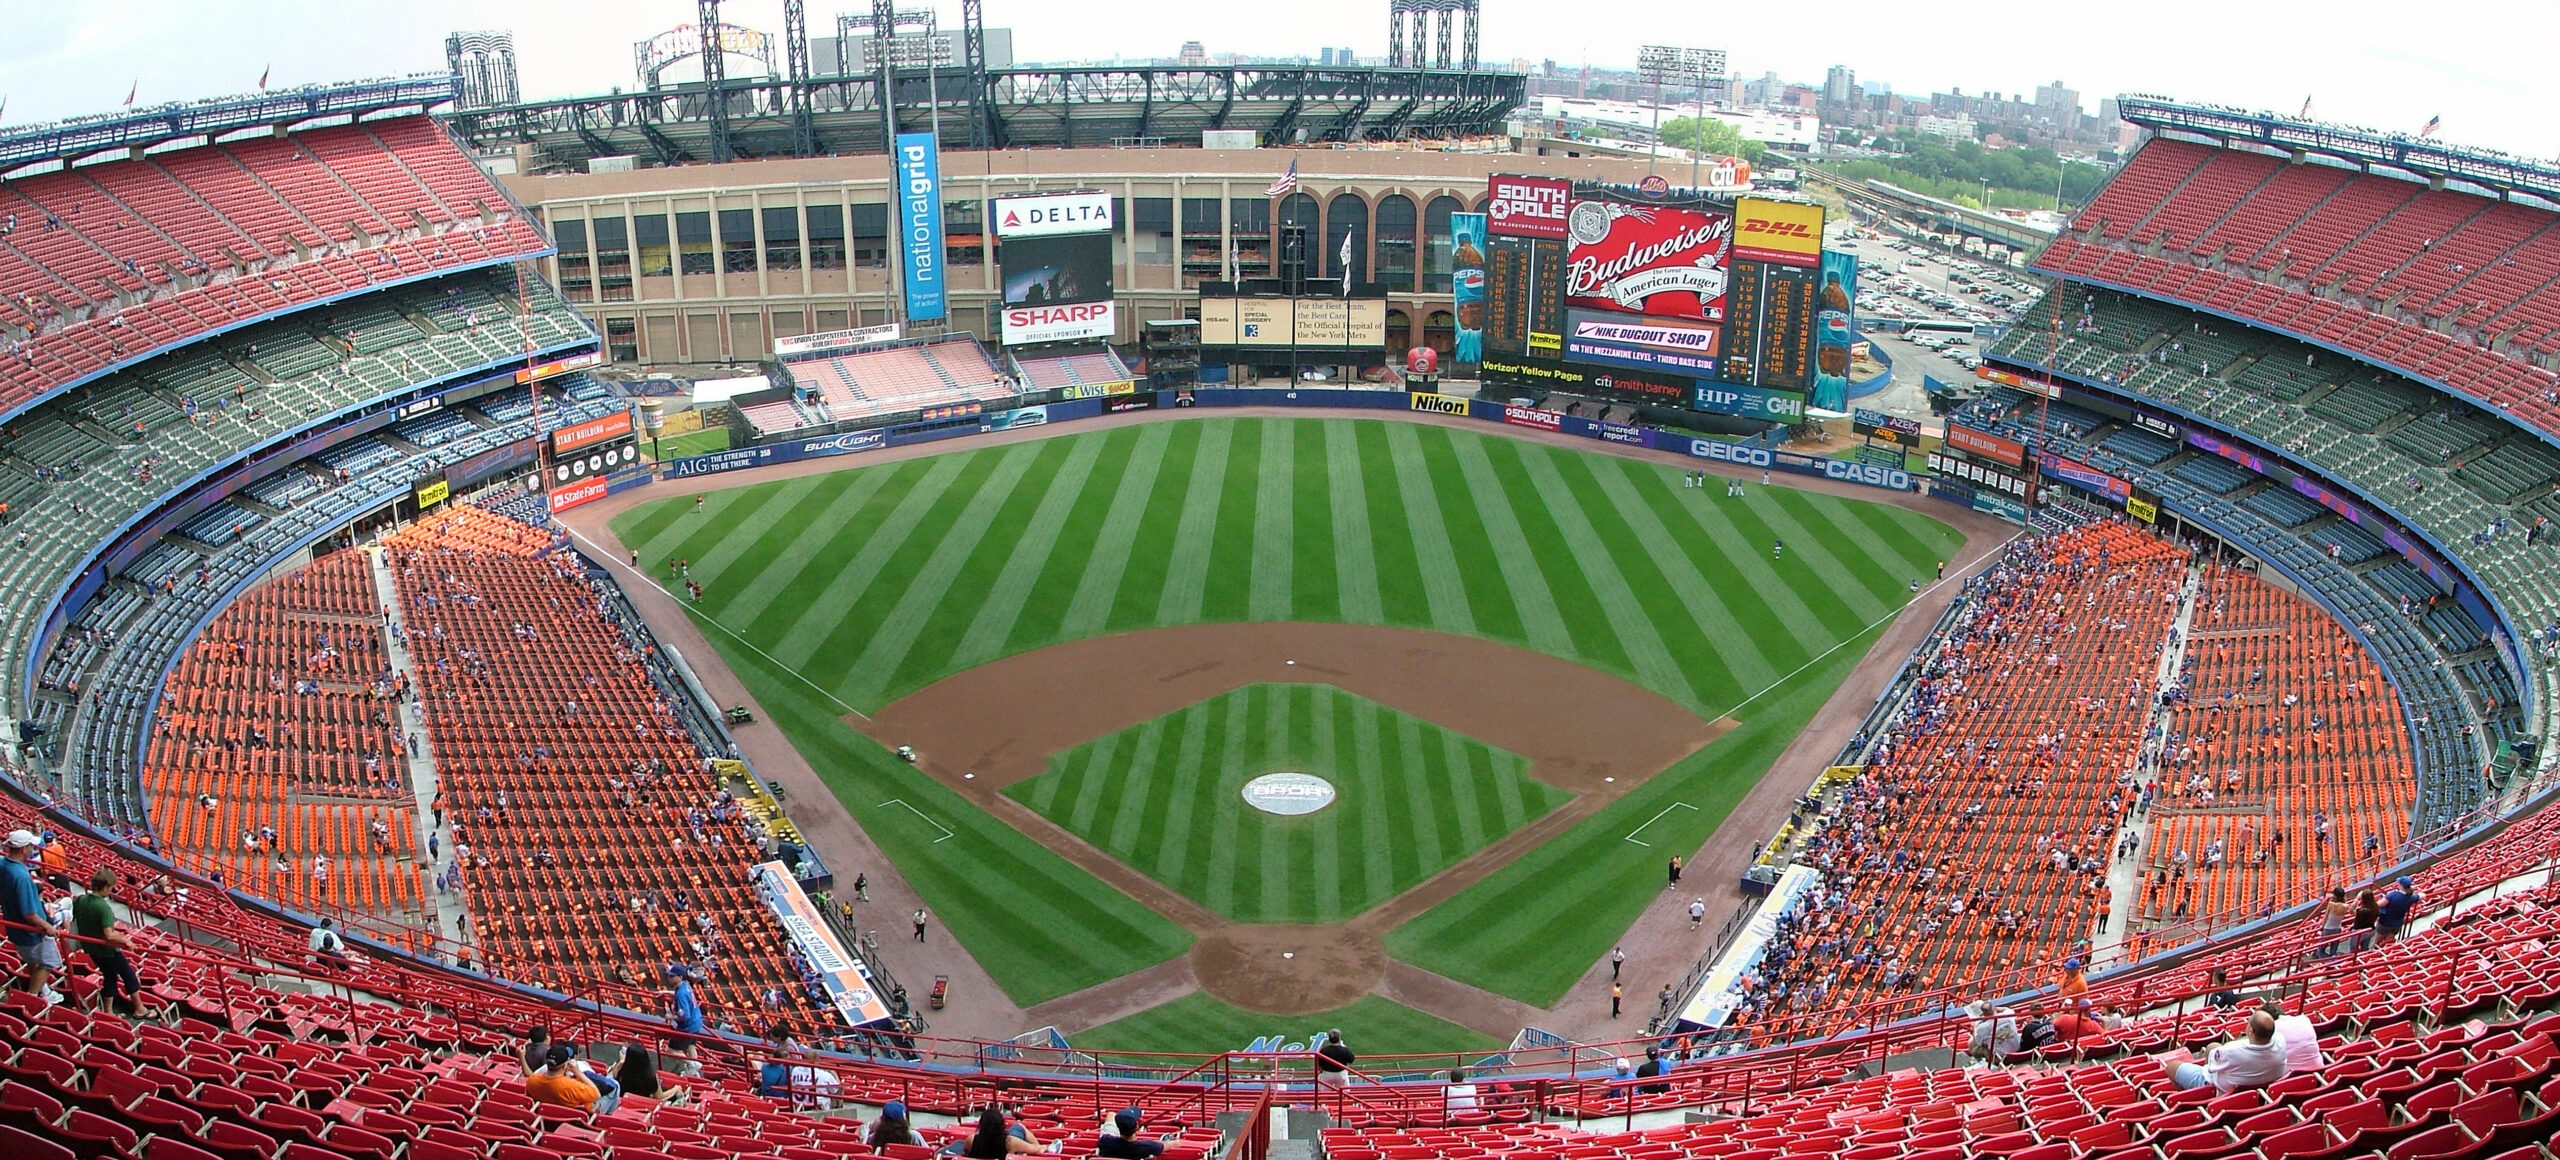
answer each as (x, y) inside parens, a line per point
(1123, 1143)
(2256, 1061)
(566, 1080)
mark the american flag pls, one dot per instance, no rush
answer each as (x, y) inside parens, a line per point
(1288, 182)
(2433, 124)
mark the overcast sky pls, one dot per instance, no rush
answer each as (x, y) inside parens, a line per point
(2485, 67)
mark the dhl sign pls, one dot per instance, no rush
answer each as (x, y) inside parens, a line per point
(1786, 232)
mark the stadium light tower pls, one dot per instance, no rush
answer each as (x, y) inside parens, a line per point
(1663, 64)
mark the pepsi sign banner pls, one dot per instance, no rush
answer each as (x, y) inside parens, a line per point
(919, 214)
(1528, 207)
(1041, 214)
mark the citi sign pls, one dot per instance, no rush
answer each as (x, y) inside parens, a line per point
(1723, 452)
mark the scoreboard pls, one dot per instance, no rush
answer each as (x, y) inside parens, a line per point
(1696, 294)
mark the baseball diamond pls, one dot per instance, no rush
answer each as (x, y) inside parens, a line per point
(1010, 610)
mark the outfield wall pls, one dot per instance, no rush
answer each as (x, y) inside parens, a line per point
(1746, 453)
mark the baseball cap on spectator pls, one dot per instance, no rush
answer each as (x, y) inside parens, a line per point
(22, 840)
(560, 1053)
(2072, 964)
(2404, 882)
(894, 1110)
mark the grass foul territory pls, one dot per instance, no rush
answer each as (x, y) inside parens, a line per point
(1373, 1026)
(843, 591)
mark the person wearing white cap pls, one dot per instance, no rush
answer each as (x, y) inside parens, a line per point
(32, 932)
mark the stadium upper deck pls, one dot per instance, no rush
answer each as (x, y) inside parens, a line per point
(127, 236)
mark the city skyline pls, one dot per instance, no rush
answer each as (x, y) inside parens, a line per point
(2381, 73)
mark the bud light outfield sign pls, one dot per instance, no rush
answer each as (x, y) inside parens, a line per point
(919, 179)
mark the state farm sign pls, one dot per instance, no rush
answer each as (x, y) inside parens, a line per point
(1528, 207)
(1648, 259)
(1060, 323)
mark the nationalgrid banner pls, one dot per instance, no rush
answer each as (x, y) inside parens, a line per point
(920, 224)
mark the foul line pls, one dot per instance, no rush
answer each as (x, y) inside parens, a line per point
(946, 830)
(1631, 834)
(1871, 626)
(706, 618)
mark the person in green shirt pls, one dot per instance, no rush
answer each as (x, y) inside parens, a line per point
(93, 920)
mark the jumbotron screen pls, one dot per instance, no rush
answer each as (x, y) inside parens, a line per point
(1586, 283)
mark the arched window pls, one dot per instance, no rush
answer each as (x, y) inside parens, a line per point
(1435, 233)
(1399, 333)
(1440, 332)
(1395, 241)
(1344, 217)
(1297, 209)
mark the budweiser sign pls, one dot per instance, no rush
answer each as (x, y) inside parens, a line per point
(1648, 260)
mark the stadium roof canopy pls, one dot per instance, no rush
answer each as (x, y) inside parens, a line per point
(2500, 174)
(142, 128)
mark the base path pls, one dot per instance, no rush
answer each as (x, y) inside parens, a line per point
(1659, 946)
(1582, 730)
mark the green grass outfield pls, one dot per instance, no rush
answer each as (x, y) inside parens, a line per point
(857, 586)
(1196, 1023)
(1166, 797)
(702, 442)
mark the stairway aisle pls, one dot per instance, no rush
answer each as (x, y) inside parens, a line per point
(2124, 877)
(448, 908)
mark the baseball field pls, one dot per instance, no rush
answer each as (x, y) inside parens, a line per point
(1529, 671)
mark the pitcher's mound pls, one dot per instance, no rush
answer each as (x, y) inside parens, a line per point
(1288, 970)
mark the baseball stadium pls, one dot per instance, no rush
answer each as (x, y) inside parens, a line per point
(906, 603)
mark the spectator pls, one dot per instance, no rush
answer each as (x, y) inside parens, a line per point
(2074, 982)
(2368, 912)
(1459, 1098)
(536, 1046)
(2394, 912)
(2244, 1063)
(1120, 1139)
(2333, 922)
(892, 1128)
(567, 1081)
(31, 933)
(2222, 996)
(1995, 1032)
(93, 918)
(637, 1074)
(2076, 1023)
(995, 1140)
(2301, 1040)
(326, 944)
(1653, 1068)
(685, 1011)
(1334, 1059)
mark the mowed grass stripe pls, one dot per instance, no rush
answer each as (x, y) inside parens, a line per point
(1489, 602)
(1355, 560)
(1821, 552)
(1435, 561)
(1053, 593)
(1642, 612)
(1042, 926)
(768, 569)
(838, 602)
(1228, 589)
(1003, 602)
(857, 658)
(1315, 585)
(1098, 587)
(1412, 799)
(1402, 597)
(1275, 563)
(1741, 578)
(710, 540)
(1724, 657)
(1564, 573)
(1531, 929)
(1542, 625)
(1186, 570)
(1003, 516)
